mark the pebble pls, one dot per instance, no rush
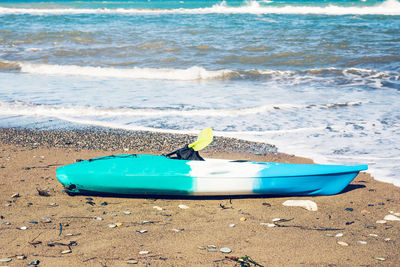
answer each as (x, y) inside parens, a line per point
(6, 223)
(365, 212)
(177, 230)
(349, 209)
(46, 220)
(5, 260)
(141, 231)
(380, 259)
(211, 246)
(374, 235)
(118, 224)
(127, 212)
(53, 204)
(212, 250)
(343, 243)
(67, 251)
(370, 226)
(157, 208)
(339, 235)
(132, 261)
(381, 221)
(387, 239)
(16, 195)
(35, 262)
(23, 228)
(112, 225)
(20, 257)
(225, 250)
(242, 219)
(97, 218)
(391, 217)
(182, 206)
(201, 247)
(232, 225)
(362, 242)
(143, 252)
(329, 235)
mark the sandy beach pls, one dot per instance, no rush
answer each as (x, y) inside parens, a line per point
(40, 224)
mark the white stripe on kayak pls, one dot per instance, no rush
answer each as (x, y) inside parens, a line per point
(212, 176)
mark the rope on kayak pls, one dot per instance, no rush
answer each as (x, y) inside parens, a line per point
(114, 156)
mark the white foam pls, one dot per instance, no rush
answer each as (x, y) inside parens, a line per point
(192, 73)
(20, 108)
(389, 7)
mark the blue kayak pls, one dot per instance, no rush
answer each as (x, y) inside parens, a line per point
(160, 175)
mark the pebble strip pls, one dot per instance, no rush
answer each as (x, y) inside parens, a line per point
(94, 138)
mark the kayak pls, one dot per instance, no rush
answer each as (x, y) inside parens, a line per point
(160, 175)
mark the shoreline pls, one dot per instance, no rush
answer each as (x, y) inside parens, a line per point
(65, 231)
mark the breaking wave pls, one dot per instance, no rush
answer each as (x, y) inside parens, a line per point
(389, 7)
(19, 108)
(348, 76)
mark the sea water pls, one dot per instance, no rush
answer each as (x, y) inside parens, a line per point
(316, 78)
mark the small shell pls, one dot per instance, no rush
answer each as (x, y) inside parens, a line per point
(225, 250)
(362, 242)
(391, 217)
(268, 224)
(381, 221)
(182, 206)
(66, 251)
(343, 243)
(339, 235)
(143, 252)
(157, 208)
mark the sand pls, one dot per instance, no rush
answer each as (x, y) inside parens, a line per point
(175, 236)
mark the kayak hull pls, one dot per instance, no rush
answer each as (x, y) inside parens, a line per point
(158, 175)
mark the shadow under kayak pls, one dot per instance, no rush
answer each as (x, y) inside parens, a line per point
(159, 175)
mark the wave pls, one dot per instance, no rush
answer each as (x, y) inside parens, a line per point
(348, 76)
(192, 73)
(19, 108)
(388, 7)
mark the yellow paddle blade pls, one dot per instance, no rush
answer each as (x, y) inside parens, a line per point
(204, 139)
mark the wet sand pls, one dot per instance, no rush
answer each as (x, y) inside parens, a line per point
(175, 236)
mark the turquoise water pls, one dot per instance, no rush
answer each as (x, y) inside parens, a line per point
(316, 78)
